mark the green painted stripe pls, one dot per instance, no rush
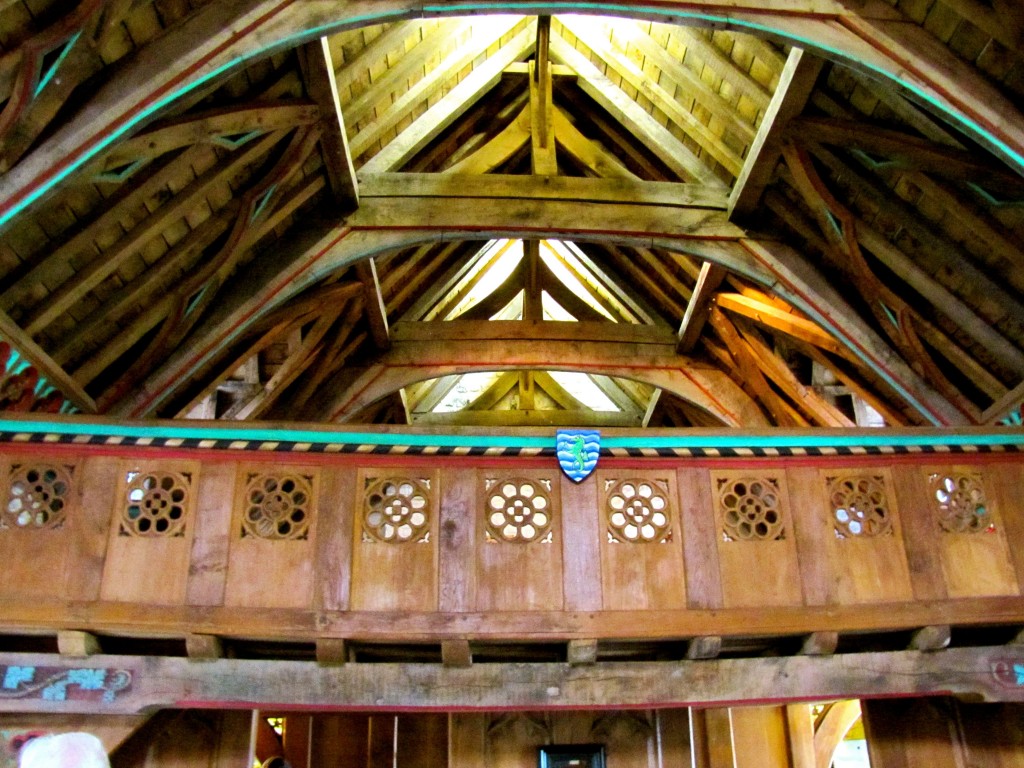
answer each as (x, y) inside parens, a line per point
(881, 439)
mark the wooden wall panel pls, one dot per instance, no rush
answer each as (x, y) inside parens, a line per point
(393, 570)
(920, 533)
(35, 557)
(422, 740)
(458, 526)
(975, 563)
(913, 733)
(208, 566)
(756, 541)
(580, 545)
(339, 739)
(265, 570)
(150, 568)
(335, 516)
(808, 509)
(641, 540)
(519, 570)
(91, 531)
(1005, 482)
(861, 568)
(700, 553)
(759, 737)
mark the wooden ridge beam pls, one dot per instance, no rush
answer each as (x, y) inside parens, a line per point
(318, 75)
(171, 682)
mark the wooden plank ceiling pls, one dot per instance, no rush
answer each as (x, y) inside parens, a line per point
(915, 232)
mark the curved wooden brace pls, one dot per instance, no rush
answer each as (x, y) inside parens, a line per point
(833, 728)
(220, 37)
(408, 363)
(376, 228)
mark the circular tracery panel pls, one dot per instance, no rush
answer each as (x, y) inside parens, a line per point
(396, 510)
(277, 506)
(859, 506)
(751, 509)
(638, 512)
(960, 502)
(156, 504)
(38, 496)
(518, 510)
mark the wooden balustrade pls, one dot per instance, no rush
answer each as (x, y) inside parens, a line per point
(167, 537)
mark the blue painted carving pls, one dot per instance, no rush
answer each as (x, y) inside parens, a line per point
(56, 684)
(578, 451)
(1009, 672)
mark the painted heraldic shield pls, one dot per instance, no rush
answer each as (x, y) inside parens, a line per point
(577, 451)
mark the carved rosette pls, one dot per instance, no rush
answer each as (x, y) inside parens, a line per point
(156, 504)
(637, 511)
(751, 509)
(38, 496)
(960, 503)
(277, 506)
(396, 510)
(519, 510)
(859, 506)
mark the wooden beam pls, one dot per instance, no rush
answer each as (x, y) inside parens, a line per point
(208, 127)
(373, 302)
(318, 75)
(591, 155)
(510, 187)
(451, 106)
(658, 139)
(581, 652)
(74, 643)
(204, 647)
(539, 330)
(788, 101)
(410, 361)
(1004, 406)
(12, 333)
(705, 647)
(699, 306)
(456, 654)
(175, 682)
(906, 151)
(790, 323)
(832, 729)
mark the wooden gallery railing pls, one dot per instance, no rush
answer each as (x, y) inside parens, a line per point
(471, 542)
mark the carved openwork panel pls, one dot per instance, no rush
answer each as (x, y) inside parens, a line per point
(277, 505)
(637, 510)
(859, 505)
(156, 503)
(38, 496)
(750, 508)
(518, 510)
(960, 503)
(396, 510)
